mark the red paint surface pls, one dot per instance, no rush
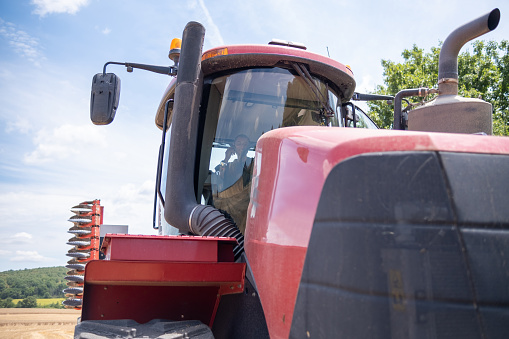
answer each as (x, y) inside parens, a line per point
(286, 188)
(179, 278)
(265, 49)
(282, 50)
(146, 290)
(168, 248)
(144, 303)
(147, 273)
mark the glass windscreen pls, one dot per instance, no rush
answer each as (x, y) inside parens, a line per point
(245, 105)
(255, 101)
(361, 119)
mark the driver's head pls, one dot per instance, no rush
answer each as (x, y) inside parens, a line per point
(241, 144)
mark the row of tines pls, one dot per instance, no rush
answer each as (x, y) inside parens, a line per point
(85, 247)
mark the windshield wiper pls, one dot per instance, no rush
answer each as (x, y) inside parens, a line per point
(304, 74)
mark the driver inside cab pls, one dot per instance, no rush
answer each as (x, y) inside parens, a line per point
(233, 181)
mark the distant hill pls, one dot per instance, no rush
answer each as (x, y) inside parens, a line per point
(45, 282)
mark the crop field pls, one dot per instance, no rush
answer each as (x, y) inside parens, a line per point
(46, 302)
(42, 302)
(37, 323)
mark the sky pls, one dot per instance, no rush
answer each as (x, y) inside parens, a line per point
(52, 157)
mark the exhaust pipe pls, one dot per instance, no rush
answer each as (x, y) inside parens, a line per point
(449, 112)
(181, 209)
(448, 61)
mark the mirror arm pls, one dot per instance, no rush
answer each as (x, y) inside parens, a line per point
(371, 97)
(171, 70)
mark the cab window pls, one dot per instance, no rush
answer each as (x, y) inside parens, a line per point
(240, 107)
(361, 119)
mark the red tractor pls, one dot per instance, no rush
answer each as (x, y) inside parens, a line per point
(287, 213)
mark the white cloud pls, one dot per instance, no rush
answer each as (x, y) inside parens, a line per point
(191, 4)
(132, 193)
(214, 34)
(17, 239)
(366, 84)
(64, 141)
(31, 256)
(21, 125)
(21, 42)
(5, 252)
(103, 30)
(131, 204)
(44, 7)
(22, 235)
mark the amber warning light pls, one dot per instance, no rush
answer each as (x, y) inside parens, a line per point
(175, 50)
(214, 53)
(176, 43)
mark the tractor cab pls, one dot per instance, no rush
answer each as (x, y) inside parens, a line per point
(247, 91)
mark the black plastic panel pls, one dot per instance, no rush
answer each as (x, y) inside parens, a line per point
(386, 188)
(480, 187)
(488, 255)
(240, 316)
(388, 258)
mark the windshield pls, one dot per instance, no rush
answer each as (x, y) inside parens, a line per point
(245, 105)
(255, 101)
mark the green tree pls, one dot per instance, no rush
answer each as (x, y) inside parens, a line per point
(28, 302)
(7, 303)
(484, 73)
(42, 282)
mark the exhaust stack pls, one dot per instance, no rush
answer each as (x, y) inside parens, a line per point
(450, 112)
(181, 208)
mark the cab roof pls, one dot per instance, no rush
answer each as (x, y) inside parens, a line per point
(228, 58)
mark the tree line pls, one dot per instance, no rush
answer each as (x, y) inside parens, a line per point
(46, 282)
(28, 302)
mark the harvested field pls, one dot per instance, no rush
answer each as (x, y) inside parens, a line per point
(37, 323)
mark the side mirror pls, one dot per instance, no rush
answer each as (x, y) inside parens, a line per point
(104, 98)
(348, 112)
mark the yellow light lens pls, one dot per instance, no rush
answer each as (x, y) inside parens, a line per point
(176, 43)
(214, 53)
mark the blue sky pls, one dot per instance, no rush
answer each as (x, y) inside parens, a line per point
(52, 157)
